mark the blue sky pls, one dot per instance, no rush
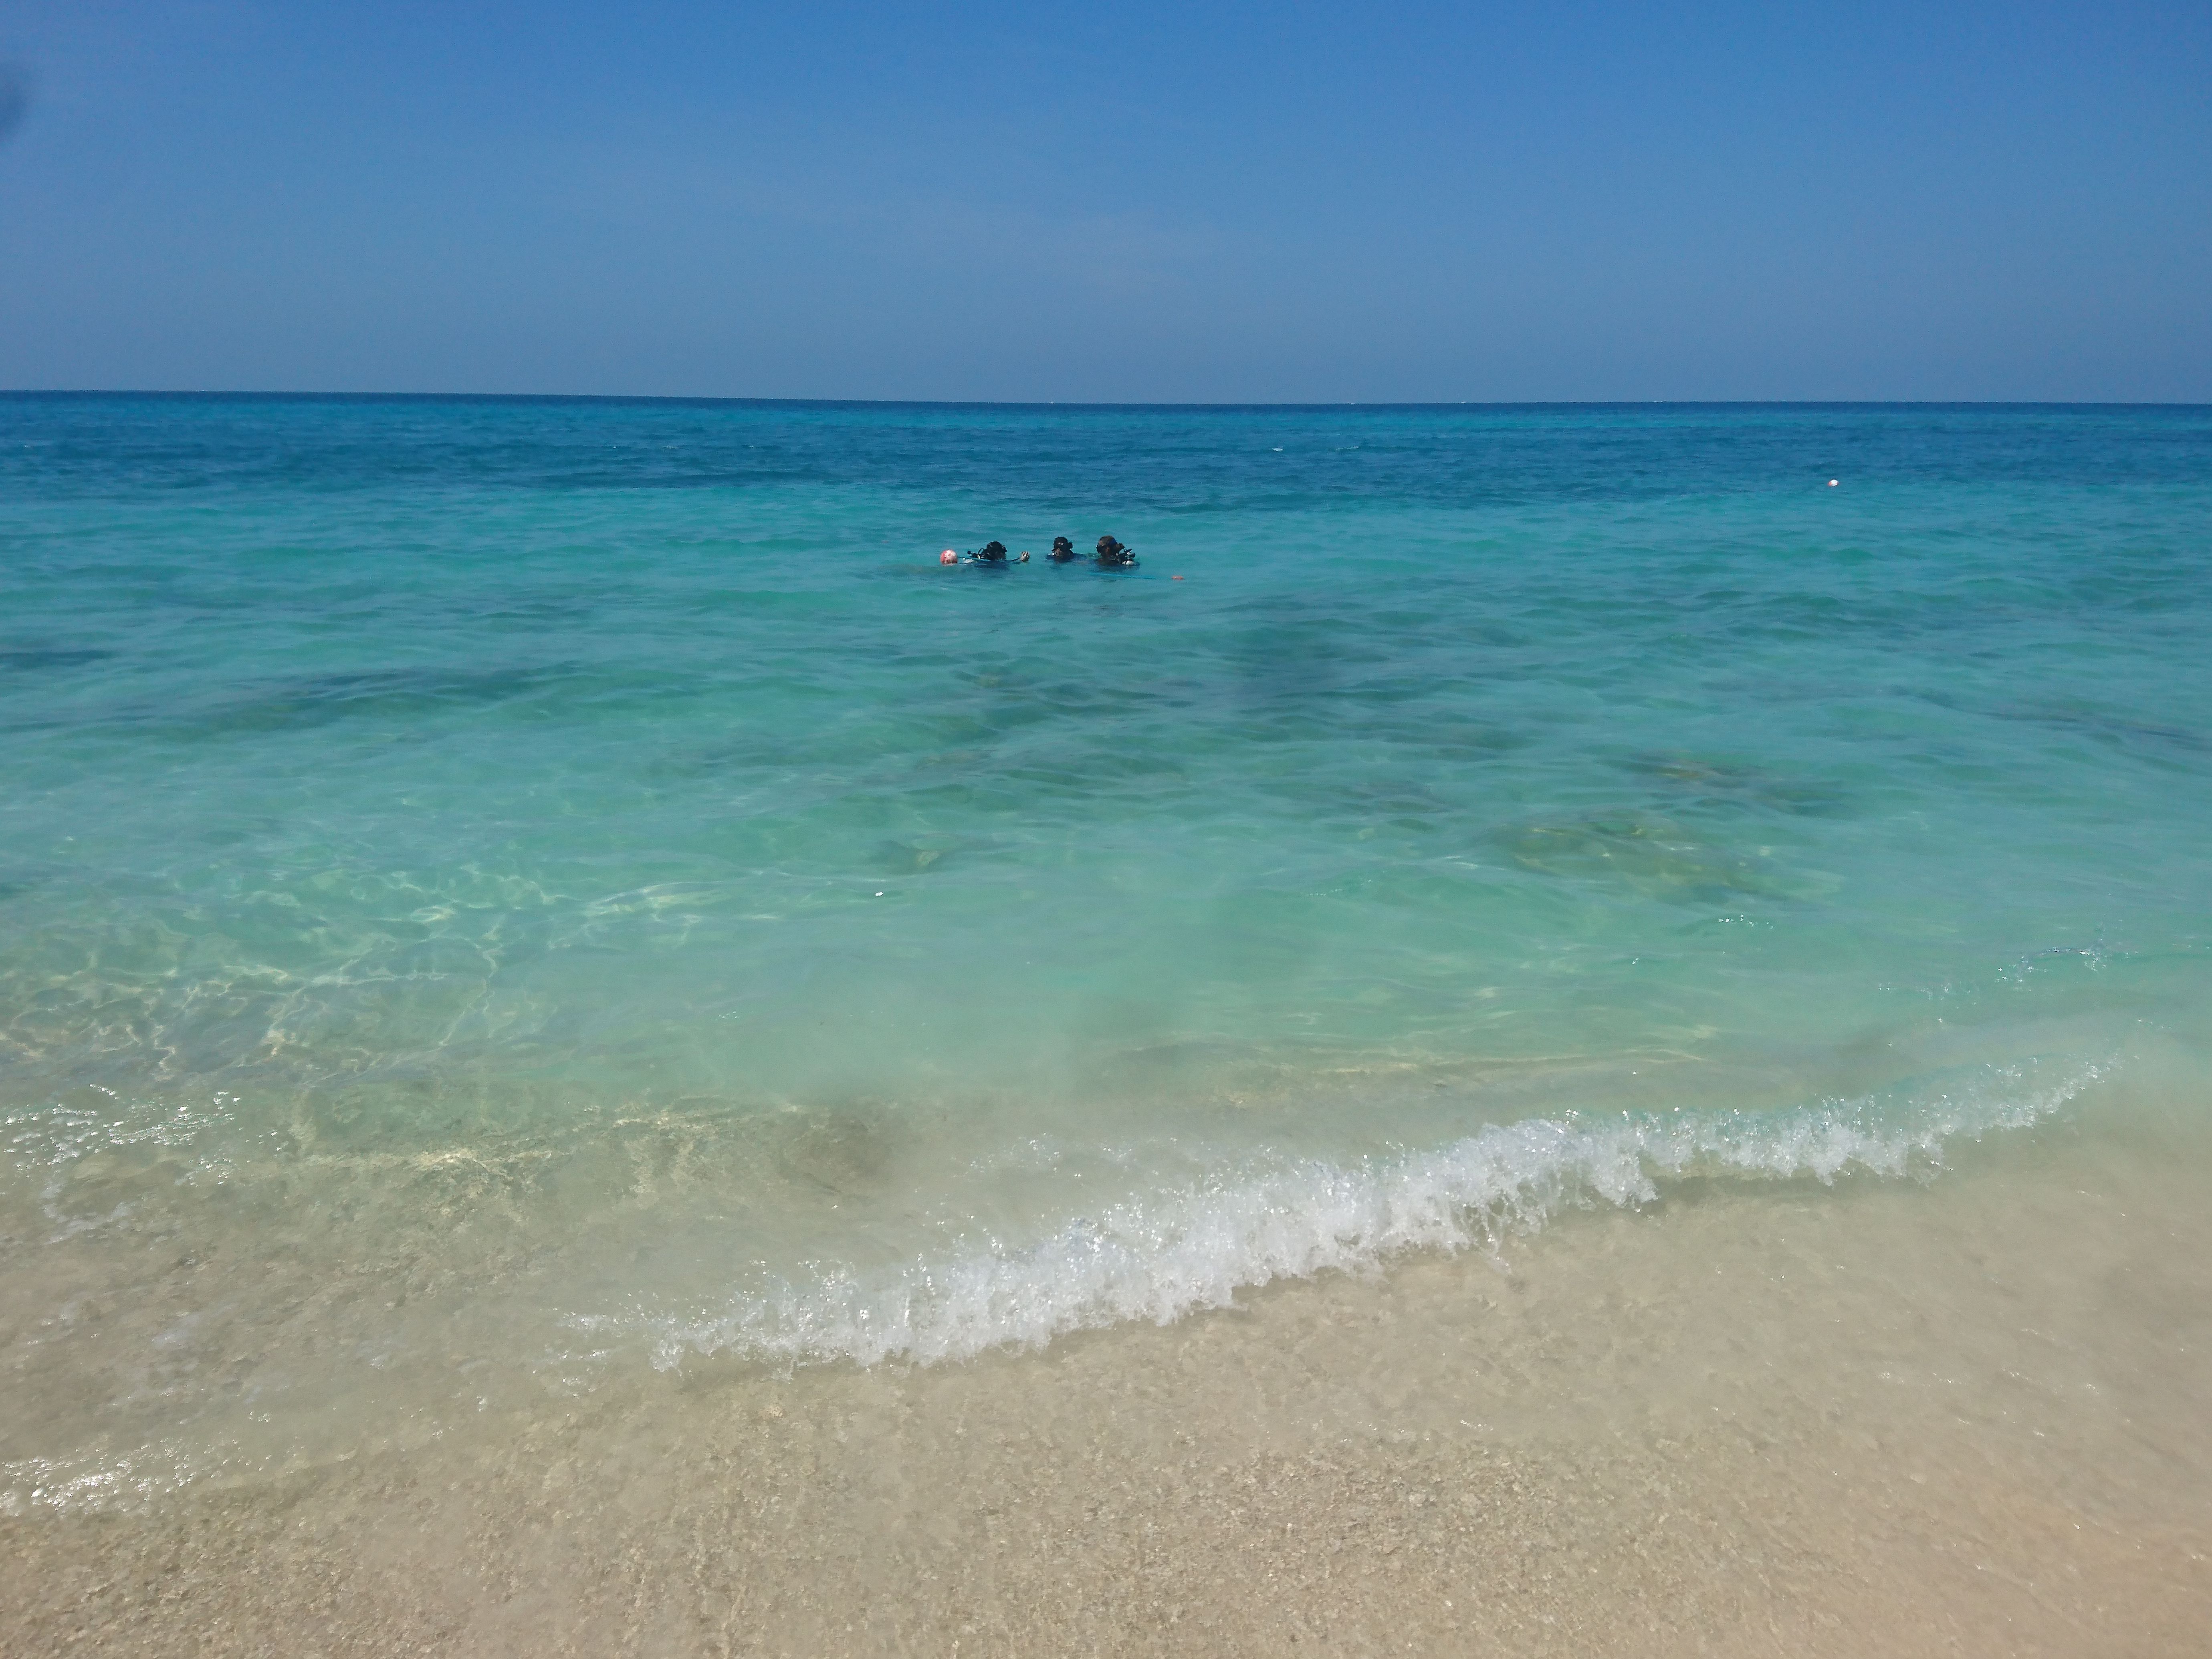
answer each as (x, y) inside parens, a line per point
(1129, 202)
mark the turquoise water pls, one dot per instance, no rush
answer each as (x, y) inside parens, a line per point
(587, 860)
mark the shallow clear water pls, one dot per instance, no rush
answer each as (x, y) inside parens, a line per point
(585, 867)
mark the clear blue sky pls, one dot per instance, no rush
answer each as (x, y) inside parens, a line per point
(1111, 202)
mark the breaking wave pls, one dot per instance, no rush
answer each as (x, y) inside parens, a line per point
(1168, 1253)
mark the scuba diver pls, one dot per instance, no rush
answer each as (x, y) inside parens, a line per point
(990, 553)
(1062, 549)
(1113, 554)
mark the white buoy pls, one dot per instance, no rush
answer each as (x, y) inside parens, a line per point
(1831, 483)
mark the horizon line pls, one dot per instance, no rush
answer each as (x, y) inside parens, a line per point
(247, 395)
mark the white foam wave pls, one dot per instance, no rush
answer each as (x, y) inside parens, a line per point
(1167, 1255)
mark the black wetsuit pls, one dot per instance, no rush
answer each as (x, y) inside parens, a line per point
(1113, 554)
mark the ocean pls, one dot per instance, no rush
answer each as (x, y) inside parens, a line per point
(506, 900)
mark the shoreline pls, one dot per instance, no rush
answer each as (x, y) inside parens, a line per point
(1968, 1416)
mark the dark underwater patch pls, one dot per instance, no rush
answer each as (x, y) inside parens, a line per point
(1653, 856)
(385, 695)
(1732, 783)
(32, 658)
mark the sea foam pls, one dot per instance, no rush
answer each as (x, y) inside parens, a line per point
(1165, 1254)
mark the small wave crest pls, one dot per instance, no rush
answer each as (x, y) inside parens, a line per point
(1168, 1254)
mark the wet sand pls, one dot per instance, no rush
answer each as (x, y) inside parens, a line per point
(1971, 1417)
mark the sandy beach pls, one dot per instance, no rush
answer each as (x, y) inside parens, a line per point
(1971, 1416)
